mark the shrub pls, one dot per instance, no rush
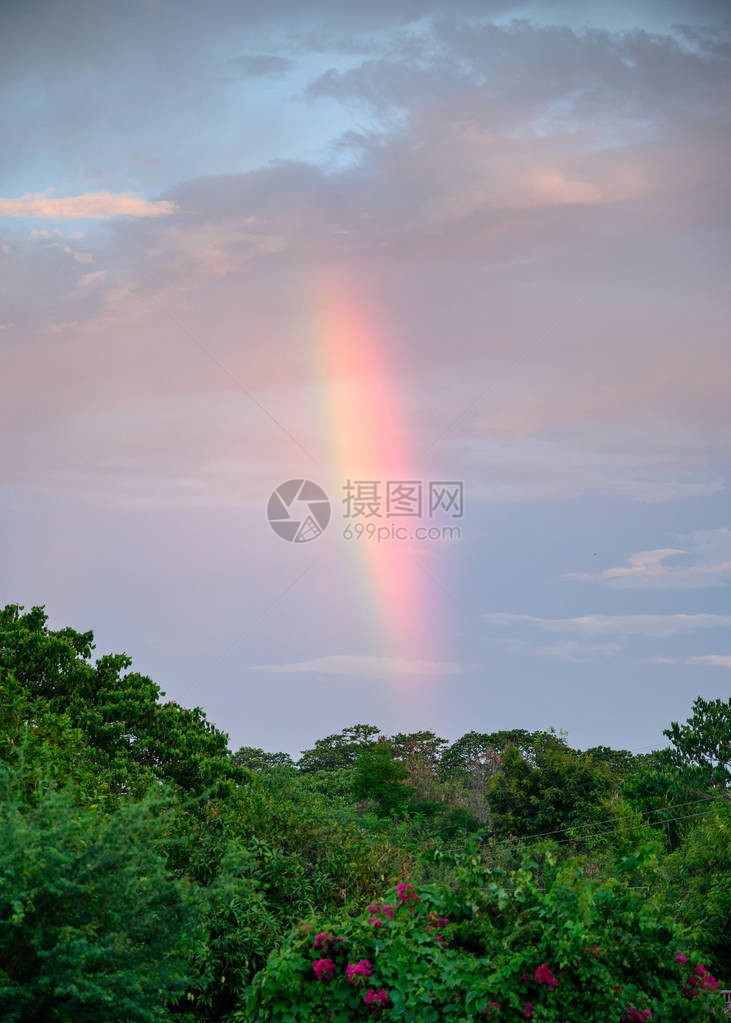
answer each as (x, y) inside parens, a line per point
(494, 946)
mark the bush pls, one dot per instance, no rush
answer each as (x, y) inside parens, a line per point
(495, 947)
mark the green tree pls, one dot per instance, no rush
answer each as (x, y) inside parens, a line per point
(550, 790)
(702, 746)
(699, 883)
(119, 712)
(339, 751)
(479, 752)
(258, 760)
(422, 746)
(92, 927)
(380, 778)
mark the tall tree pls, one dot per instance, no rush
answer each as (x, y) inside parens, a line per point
(702, 746)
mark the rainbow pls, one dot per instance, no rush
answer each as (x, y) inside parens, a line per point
(369, 439)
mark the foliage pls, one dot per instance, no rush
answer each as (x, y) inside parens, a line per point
(258, 760)
(550, 790)
(699, 882)
(703, 744)
(493, 945)
(91, 925)
(148, 873)
(377, 776)
(342, 750)
(119, 713)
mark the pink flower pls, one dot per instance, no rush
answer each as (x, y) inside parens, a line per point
(680, 959)
(632, 1015)
(528, 1010)
(406, 893)
(436, 921)
(440, 922)
(325, 939)
(359, 970)
(702, 982)
(544, 976)
(323, 969)
(375, 998)
(379, 907)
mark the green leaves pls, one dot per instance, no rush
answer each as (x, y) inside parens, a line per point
(91, 925)
(127, 730)
(703, 744)
(335, 752)
(378, 777)
(147, 874)
(566, 947)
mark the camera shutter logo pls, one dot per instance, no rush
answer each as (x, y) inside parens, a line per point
(298, 511)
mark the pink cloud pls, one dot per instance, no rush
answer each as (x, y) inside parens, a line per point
(91, 205)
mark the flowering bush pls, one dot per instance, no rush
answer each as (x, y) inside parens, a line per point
(357, 971)
(494, 947)
(324, 969)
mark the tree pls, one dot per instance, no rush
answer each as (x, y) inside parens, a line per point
(698, 875)
(702, 746)
(423, 746)
(555, 788)
(658, 792)
(257, 760)
(339, 751)
(91, 925)
(379, 777)
(119, 712)
(479, 752)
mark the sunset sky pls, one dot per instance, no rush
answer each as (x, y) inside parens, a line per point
(451, 241)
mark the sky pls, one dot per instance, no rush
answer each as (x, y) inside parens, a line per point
(464, 267)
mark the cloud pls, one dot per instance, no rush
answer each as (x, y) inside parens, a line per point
(90, 206)
(656, 625)
(712, 660)
(460, 230)
(260, 65)
(710, 565)
(61, 326)
(523, 453)
(708, 660)
(568, 650)
(96, 277)
(366, 667)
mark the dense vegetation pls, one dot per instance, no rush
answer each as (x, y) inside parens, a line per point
(149, 873)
